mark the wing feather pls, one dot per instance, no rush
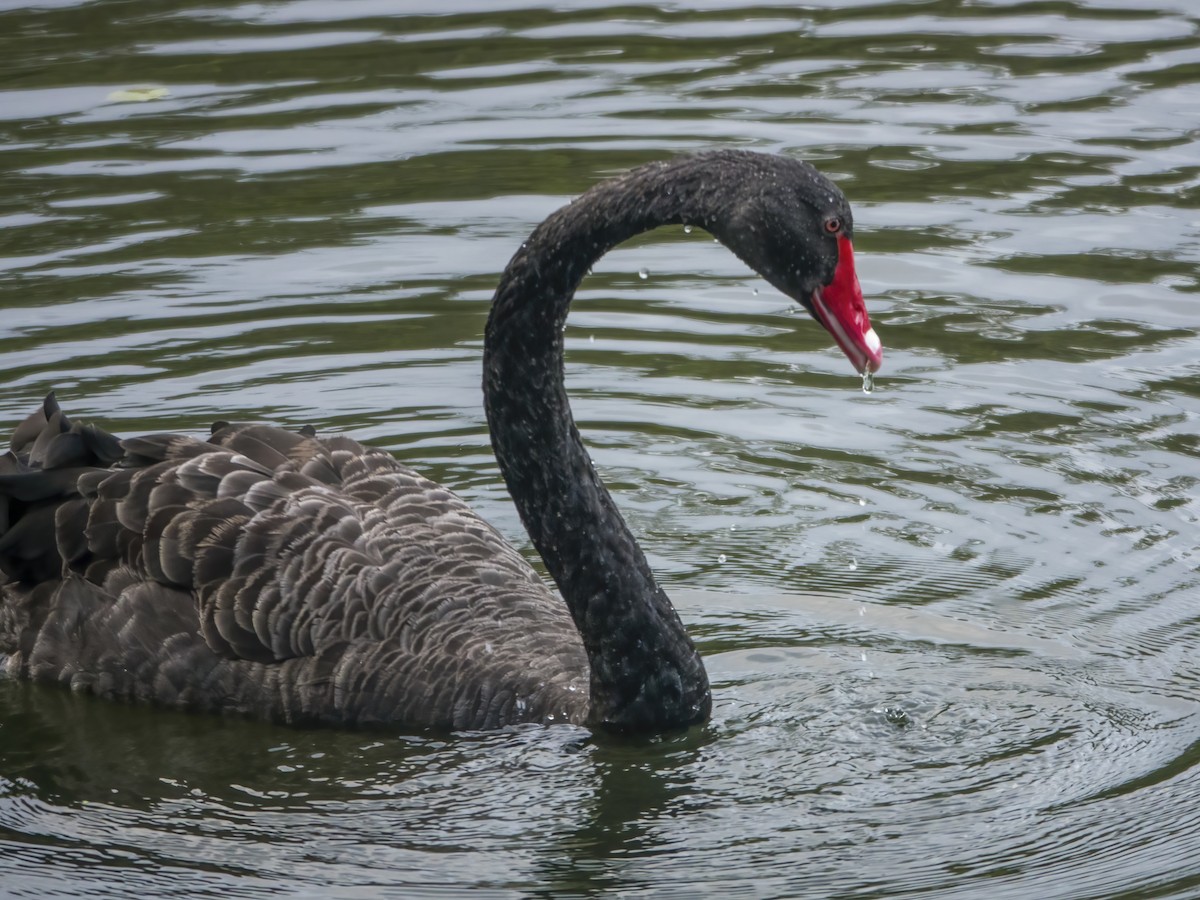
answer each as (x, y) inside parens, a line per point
(269, 573)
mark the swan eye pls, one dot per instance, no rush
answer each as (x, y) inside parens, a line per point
(833, 224)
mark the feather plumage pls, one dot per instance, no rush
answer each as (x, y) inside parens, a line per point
(386, 596)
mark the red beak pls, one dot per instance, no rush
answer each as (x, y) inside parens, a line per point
(839, 307)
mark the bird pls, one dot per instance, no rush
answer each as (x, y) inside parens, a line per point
(315, 581)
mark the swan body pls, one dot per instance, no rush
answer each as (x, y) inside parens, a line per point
(308, 580)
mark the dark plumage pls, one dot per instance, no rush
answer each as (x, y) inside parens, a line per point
(305, 580)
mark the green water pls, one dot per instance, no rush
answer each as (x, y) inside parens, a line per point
(951, 625)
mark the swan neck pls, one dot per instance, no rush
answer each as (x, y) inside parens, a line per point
(645, 671)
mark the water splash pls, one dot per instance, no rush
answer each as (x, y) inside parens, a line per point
(868, 384)
(643, 274)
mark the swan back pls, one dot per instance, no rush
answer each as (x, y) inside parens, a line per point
(275, 574)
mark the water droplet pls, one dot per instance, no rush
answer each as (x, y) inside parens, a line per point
(863, 656)
(721, 558)
(645, 273)
(733, 528)
(687, 229)
(862, 610)
(853, 564)
(868, 381)
(756, 292)
(591, 339)
(862, 502)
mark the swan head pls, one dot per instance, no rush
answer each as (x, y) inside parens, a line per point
(795, 228)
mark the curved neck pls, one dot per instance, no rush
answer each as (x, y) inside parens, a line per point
(645, 671)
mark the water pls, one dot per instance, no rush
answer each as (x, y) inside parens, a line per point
(950, 624)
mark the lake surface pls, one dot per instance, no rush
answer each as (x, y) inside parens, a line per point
(953, 626)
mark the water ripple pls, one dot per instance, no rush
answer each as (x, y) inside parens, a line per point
(950, 625)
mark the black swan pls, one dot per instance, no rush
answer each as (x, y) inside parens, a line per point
(308, 580)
